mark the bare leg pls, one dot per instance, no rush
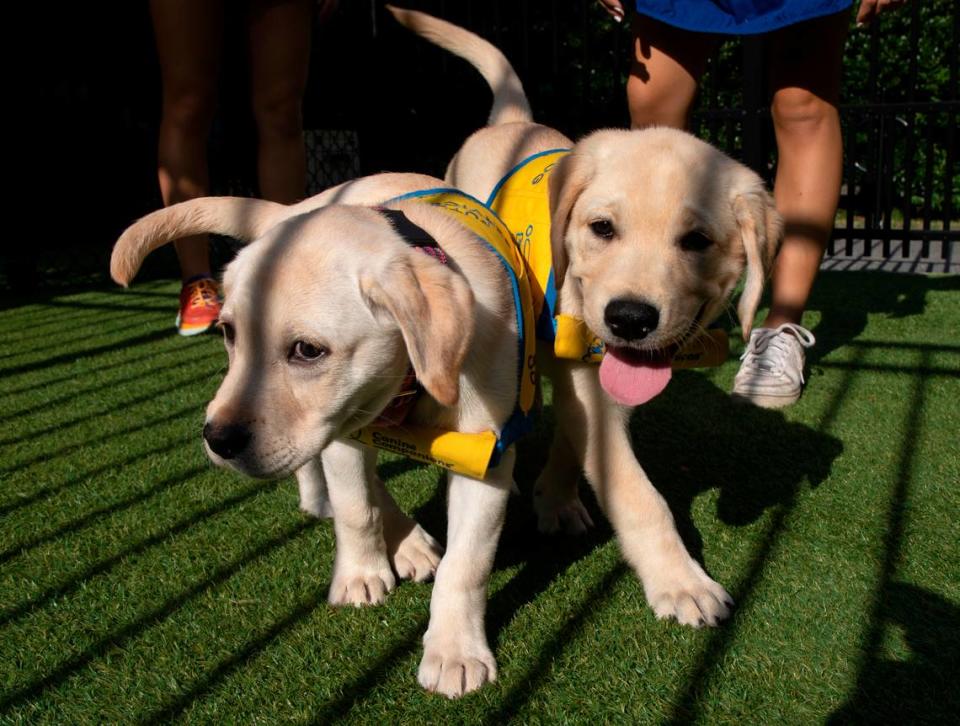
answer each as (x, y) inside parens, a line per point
(189, 38)
(805, 61)
(556, 498)
(280, 54)
(456, 656)
(667, 65)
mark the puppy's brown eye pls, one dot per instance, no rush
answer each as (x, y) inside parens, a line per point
(228, 332)
(307, 352)
(695, 241)
(603, 228)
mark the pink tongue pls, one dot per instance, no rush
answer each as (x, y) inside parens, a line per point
(633, 382)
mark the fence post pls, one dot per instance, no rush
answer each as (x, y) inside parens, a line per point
(753, 105)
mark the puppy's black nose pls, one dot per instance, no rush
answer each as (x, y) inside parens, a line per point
(226, 441)
(631, 319)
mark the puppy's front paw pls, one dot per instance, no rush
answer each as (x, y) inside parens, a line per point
(416, 556)
(554, 515)
(456, 666)
(361, 585)
(688, 595)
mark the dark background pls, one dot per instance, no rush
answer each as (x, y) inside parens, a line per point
(381, 99)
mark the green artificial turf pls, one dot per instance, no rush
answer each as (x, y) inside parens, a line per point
(138, 583)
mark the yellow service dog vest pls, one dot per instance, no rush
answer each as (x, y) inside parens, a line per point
(515, 225)
(472, 454)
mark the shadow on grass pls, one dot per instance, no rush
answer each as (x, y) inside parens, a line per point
(303, 610)
(178, 349)
(49, 491)
(916, 690)
(923, 688)
(171, 386)
(693, 438)
(72, 357)
(103, 566)
(71, 334)
(74, 525)
(121, 635)
(53, 298)
(133, 380)
(688, 702)
(847, 299)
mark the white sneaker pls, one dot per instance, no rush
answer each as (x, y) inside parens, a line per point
(771, 375)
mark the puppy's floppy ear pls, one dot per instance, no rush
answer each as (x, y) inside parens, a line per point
(761, 231)
(566, 182)
(433, 305)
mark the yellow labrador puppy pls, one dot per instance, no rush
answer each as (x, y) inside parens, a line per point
(325, 311)
(649, 233)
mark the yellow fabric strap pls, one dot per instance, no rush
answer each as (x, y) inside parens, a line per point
(467, 454)
(522, 201)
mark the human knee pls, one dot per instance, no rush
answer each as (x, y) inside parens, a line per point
(278, 114)
(653, 105)
(189, 109)
(800, 108)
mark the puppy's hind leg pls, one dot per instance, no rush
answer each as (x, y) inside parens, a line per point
(556, 497)
(456, 656)
(361, 569)
(414, 554)
(313, 490)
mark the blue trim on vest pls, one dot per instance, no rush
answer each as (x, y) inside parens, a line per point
(493, 194)
(518, 425)
(547, 323)
(519, 422)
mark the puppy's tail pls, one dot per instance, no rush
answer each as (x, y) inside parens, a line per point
(239, 217)
(509, 101)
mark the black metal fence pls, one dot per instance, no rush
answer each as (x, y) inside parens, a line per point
(900, 200)
(381, 99)
(900, 203)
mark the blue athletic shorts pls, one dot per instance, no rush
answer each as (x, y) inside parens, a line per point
(738, 17)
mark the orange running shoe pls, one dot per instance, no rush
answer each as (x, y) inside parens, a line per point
(199, 305)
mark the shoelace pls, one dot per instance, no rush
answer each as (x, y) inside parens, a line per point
(204, 294)
(768, 349)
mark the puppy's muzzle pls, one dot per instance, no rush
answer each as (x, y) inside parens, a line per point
(228, 441)
(631, 319)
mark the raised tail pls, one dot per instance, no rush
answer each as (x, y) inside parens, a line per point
(509, 101)
(239, 217)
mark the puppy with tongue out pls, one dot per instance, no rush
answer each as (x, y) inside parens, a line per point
(650, 233)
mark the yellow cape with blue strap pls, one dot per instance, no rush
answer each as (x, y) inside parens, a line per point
(515, 224)
(473, 454)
